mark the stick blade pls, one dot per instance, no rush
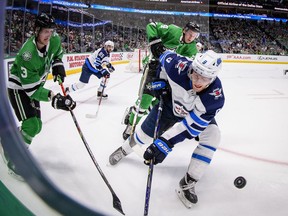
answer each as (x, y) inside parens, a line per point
(117, 204)
(91, 115)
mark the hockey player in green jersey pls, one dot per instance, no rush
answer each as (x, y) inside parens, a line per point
(162, 37)
(28, 76)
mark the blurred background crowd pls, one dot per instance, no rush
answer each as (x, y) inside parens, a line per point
(85, 29)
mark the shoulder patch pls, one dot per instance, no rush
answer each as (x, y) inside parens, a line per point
(27, 55)
(181, 65)
(217, 93)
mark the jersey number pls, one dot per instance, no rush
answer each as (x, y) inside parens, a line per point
(164, 26)
(23, 72)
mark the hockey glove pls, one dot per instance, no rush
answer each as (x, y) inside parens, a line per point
(105, 73)
(63, 102)
(58, 70)
(110, 68)
(157, 47)
(157, 151)
(152, 71)
(158, 87)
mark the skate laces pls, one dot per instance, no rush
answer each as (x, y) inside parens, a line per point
(189, 185)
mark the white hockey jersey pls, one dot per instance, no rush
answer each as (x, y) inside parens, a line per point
(96, 60)
(196, 109)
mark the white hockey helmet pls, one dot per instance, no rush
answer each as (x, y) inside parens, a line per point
(199, 45)
(207, 64)
(109, 43)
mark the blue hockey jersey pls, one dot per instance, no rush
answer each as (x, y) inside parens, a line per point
(195, 109)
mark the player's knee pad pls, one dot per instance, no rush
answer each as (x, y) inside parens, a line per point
(209, 140)
(30, 128)
(210, 136)
(146, 101)
(142, 138)
(39, 125)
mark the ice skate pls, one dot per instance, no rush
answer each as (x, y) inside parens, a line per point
(11, 167)
(99, 94)
(116, 156)
(186, 191)
(127, 114)
(127, 131)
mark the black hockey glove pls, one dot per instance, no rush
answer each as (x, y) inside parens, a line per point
(58, 70)
(157, 47)
(152, 71)
(157, 151)
(110, 68)
(105, 73)
(158, 87)
(63, 102)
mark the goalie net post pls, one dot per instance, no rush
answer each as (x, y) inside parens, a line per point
(135, 64)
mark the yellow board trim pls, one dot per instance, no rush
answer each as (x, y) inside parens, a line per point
(78, 70)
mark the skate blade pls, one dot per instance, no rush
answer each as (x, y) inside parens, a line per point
(91, 115)
(181, 196)
(103, 98)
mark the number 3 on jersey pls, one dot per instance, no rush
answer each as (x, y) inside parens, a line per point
(23, 72)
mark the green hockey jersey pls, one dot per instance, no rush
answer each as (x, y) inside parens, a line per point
(171, 37)
(31, 67)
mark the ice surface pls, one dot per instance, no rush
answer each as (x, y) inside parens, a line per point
(254, 144)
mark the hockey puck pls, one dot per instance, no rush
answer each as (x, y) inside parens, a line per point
(240, 182)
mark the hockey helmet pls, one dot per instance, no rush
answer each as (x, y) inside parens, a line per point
(109, 43)
(199, 46)
(192, 26)
(207, 64)
(45, 21)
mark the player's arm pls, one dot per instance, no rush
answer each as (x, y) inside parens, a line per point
(101, 63)
(155, 32)
(188, 128)
(107, 65)
(34, 87)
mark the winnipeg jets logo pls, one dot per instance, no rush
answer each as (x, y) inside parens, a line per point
(217, 93)
(181, 65)
(219, 60)
(180, 109)
(27, 56)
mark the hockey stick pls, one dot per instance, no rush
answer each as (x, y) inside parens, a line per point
(116, 201)
(99, 103)
(140, 94)
(151, 165)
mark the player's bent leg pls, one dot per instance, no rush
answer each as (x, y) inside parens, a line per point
(143, 110)
(74, 87)
(83, 80)
(144, 105)
(209, 140)
(30, 128)
(101, 88)
(137, 143)
(11, 167)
